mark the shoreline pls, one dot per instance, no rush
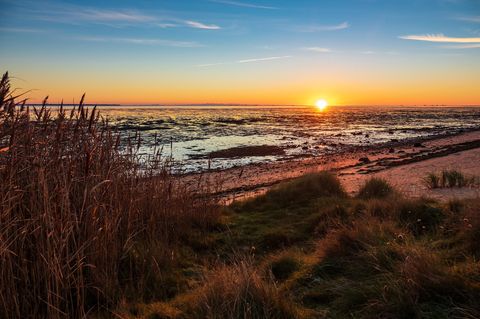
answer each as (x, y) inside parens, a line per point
(354, 166)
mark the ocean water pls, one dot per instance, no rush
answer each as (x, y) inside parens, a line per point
(189, 134)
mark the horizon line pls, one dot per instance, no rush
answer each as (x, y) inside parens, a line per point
(252, 104)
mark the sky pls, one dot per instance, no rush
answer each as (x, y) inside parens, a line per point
(357, 52)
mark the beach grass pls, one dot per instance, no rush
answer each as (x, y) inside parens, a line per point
(450, 179)
(83, 224)
(375, 188)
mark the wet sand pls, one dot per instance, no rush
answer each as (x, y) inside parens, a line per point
(243, 151)
(404, 166)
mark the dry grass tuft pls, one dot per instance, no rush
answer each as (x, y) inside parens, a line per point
(303, 189)
(449, 179)
(375, 188)
(239, 291)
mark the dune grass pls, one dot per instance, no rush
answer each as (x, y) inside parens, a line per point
(378, 255)
(375, 188)
(449, 179)
(239, 291)
(432, 181)
(289, 213)
(82, 223)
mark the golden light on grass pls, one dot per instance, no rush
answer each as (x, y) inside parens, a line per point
(321, 104)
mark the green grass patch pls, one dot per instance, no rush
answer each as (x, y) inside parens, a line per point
(323, 254)
(290, 213)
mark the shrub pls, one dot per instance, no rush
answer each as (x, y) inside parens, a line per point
(375, 188)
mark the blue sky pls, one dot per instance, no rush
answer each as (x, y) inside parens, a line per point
(220, 47)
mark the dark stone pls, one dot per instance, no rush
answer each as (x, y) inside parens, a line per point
(364, 160)
(391, 150)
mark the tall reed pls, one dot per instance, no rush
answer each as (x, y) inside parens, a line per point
(83, 222)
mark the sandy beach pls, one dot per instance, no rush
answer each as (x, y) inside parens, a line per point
(403, 165)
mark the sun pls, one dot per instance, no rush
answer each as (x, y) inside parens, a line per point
(321, 104)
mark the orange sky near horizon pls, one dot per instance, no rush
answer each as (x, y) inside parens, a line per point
(305, 91)
(342, 79)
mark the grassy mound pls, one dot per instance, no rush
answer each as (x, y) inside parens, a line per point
(299, 191)
(290, 213)
(375, 188)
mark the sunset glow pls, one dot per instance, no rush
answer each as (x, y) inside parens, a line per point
(321, 105)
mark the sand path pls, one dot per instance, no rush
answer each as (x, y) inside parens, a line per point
(409, 178)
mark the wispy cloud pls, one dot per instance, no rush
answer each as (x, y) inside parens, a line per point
(474, 19)
(317, 49)
(112, 15)
(246, 61)
(319, 28)
(244, 4)
(144, 41)
(199, 25)
(22, 30)
(165, 25)
(74, 14)
(463, 46)
(211, 64)
(264, 59)
(439, 38)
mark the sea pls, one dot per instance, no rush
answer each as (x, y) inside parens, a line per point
(189, 134)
